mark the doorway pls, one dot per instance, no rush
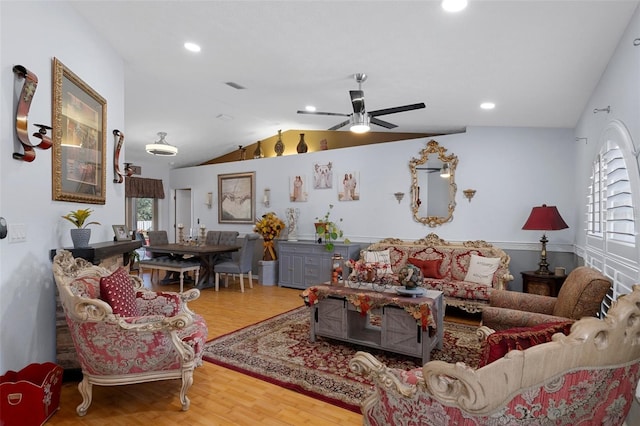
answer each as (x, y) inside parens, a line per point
(183, 214)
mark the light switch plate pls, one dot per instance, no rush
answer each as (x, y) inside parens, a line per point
(17, 232)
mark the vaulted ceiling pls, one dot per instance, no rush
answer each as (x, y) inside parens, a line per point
(538, 61)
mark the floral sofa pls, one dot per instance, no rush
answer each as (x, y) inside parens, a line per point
(588, 377)
(466, 272)
(124, 333)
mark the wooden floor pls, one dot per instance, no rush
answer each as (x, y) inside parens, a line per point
(218, 396)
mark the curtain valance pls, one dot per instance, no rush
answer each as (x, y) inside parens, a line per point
(135, 187)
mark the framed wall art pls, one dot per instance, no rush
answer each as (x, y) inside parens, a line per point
(323, 176)
(237, 198)
(298, 189)
(349, 186)
(121, 232)
(79, 139)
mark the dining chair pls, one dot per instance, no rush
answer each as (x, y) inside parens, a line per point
(212, 238)
(241, 265)
(227, 238)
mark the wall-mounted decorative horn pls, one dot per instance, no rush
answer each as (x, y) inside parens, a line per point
(22, 113)
(117, 175)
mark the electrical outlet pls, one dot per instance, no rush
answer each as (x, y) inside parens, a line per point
(17, 232)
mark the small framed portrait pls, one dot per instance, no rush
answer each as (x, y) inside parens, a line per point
(298, 189)
(348, 186)
(322, 176)
(121, 232)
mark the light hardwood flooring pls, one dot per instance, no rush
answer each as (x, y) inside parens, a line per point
(218, 396)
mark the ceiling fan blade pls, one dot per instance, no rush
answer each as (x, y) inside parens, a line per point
(324, 113)
(357, 99)
(382, 123)
(337, 126)
(396, 109)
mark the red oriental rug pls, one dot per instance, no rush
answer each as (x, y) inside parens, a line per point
(278, 351)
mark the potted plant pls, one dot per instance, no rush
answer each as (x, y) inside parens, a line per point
(328, 231)
(81, 234)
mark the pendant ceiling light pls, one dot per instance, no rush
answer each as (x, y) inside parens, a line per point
(359, 123)
(161, 147)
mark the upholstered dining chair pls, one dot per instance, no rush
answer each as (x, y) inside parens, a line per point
(227, 238)
(124, 333)
(241, 265)
(580, 296)
(212, 238)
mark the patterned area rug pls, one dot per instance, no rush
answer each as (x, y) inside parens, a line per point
(278, 351)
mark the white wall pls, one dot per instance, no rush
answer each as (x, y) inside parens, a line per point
(32, 33)
(512, 169)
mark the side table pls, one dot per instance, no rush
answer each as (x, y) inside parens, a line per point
(546, 285)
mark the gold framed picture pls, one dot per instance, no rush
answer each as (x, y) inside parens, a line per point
(237, 198)
(79, 139)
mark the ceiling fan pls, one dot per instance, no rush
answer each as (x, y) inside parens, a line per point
(360, 118)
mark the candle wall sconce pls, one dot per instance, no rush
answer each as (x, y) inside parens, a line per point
(266, 200)
(209, 200)
(469, 193)
(399, 196)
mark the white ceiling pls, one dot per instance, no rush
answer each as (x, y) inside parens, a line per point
(539, 61)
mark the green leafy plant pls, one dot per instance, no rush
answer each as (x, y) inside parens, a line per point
(328, 230)
(79, 217)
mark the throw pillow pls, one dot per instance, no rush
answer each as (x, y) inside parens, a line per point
(501, 342)
(430, 267)
(380, 257)
(481, 269)
(117, 291)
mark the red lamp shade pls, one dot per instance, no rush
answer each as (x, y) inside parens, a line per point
(545, 218)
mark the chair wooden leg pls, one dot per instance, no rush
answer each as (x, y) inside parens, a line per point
(195, 283)
(250, 280)
(86, 390)
(217, 280)
(181, 281)
(241, 283)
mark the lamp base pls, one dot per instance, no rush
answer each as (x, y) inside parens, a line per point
(543, 266)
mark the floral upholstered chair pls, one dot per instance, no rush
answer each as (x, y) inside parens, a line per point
(580, 296)
(586, 378)
(124, 333)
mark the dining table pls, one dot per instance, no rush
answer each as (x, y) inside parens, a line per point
(205, 252)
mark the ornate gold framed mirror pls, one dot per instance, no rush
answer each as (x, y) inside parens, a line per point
(433, 185)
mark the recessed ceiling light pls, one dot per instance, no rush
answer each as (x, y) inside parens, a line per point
(192, 47)
(487, 105)
(310, 108)
(454, 5)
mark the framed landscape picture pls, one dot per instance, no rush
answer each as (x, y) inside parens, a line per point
(236, 198)
(79, 139)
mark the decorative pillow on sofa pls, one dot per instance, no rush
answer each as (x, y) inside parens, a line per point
(117, 291)
(481, 269)
(499, 343)
(429, 268)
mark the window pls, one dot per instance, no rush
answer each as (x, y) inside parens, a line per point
(612, 244)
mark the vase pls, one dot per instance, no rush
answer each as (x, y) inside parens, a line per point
(80, 237)
(279, 148)
(302, 145)
(258, 153)
(269, 252)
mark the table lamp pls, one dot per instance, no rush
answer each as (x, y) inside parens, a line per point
(544, 218)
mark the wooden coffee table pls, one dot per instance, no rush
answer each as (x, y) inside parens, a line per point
(405, 325)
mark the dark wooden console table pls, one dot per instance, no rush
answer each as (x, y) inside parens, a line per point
(384, 320)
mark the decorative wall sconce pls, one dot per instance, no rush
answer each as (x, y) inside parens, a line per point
(469, 193)
(119, 140)
(209, 199)
(267, 197)
(399, 196)
(607, 110)
(581, 139)
(445, 172)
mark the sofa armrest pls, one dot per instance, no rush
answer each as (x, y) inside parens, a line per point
(522, 301)
(502, 318)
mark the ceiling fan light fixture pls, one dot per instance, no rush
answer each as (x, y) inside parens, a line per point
(360, 123)
(161, 147)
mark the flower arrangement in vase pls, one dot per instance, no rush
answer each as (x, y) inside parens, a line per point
(269, 227)
(81, 234)
(328, 231)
